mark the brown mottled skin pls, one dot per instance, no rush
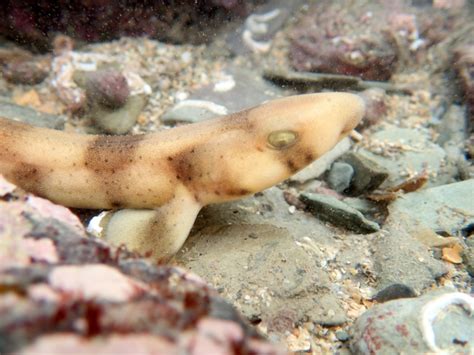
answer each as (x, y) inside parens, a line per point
(160, 181)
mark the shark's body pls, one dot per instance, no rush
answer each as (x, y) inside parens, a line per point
(158, 182)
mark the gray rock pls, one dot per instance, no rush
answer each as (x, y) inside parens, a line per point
(438, 322)
(401, 258)
(28, 115)
(330, 209)
(468, 256)
(121, 120)
(248, 250)
(260, 277)
(340, 176)
(368, 175)
(448, 208)
(400, 150)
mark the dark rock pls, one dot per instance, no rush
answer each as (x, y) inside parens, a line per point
(107, 87)
(368, 175)
(330, 209)
(309, 82)
(393, 292)
(340, 176)
(29, 72)
(28, 115)
(438, 322)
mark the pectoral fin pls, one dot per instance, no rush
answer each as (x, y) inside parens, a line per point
(157, 233)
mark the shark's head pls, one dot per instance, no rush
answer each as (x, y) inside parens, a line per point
(267, 144)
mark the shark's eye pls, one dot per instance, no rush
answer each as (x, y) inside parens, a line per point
(282, 139)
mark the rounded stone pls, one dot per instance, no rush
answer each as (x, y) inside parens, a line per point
(340, 176)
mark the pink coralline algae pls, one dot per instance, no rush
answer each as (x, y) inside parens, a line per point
(61, 292)
(367, 39)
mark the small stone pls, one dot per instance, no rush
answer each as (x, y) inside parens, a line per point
(332, 210)
(393, 292)
(107, 87)
(28, 72)
(368, 175)
(340, 176)
(342, 335)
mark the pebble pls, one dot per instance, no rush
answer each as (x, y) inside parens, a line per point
(107, 87)
(368, 175)
(393, 292)
(28, 72)
(342, 335)
(340, 176)
(438, 322)
(330, 209)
